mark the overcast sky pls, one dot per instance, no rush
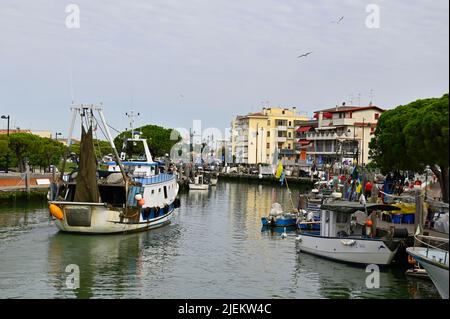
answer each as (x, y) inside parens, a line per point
(179, 60)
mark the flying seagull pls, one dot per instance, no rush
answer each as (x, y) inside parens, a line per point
(304, 55)
(339, 20)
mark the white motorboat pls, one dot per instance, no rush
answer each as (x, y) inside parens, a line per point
(214, 180)
(131, 195)
(338, 240)
(434, 260)
(199, 183)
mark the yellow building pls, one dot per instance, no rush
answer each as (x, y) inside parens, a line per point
(256, 136)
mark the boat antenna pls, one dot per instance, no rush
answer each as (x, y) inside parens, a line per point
(132, 115)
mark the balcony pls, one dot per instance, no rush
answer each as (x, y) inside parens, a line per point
(282, 128)
(281, 139)
(322, 136)
(343, 121)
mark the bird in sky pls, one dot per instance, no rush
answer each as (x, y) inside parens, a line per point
(304, 55)
(339, 20)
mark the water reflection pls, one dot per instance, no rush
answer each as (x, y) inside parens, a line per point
(110, 265)
(342, 280)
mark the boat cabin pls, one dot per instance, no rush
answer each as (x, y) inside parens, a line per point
(136, 157)
(336, 217)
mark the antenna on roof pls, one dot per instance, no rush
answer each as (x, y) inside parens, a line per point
(371, 97)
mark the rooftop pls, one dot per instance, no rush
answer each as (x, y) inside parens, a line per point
(345, 108)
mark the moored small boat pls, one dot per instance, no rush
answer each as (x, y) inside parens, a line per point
(278, 218)
(338, 241)
(434, 260)
(198, 183)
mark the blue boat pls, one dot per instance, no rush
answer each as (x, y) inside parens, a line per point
(278, 218)
(279, 221)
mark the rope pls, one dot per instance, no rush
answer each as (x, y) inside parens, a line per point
(396, 196)
(290, 193)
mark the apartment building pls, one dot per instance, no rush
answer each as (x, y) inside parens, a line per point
(341, 133)
(256, 136)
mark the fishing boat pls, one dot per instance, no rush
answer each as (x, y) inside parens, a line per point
(131, 194)
(199, 183)
(279, 218)
(338, 240)
(434, 259)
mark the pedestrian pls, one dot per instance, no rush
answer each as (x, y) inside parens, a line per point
(368, 189)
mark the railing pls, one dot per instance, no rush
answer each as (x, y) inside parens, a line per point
(438, 247)
(155, 179)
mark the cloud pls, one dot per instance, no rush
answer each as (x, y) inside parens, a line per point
(224, 56)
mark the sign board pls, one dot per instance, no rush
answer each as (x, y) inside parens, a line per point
(43, 181)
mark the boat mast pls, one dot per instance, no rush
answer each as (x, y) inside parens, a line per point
(111, 142)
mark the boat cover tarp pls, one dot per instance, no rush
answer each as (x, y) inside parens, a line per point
(87, 188)
(352, 207)
(276, 210)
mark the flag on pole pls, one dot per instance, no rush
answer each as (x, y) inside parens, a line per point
(279, 170)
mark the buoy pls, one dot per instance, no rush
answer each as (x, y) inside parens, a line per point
(138, 197)
(141, 202)
(56, 211)
(369, 222)
(411, 260)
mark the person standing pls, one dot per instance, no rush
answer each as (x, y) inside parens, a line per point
(368, 190)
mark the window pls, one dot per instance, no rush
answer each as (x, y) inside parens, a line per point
(290, 123)
(268, 133)
(280, 146)
(153, 191)
(165, 191)
(289, 146)
(289, 134)
(377, 116)
(159, 190)
(350, 114)
(268, 145)
(283, 112)
(268, 122)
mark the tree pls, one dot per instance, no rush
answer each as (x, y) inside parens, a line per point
(158, 139)
(22, 145)
(50, 152)
(412, 136)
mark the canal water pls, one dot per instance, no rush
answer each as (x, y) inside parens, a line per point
(214, 248)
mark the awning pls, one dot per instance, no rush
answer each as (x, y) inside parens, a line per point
(326, 115)
(303, 129)
(304, 142)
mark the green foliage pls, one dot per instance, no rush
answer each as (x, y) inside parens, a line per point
(412, 136)
(101, 148)
(39, 151)
(158, 139)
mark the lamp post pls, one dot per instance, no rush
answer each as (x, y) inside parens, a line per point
(56, 135)
(6, 117)
(427, 168)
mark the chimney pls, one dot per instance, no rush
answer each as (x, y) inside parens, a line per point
(343, 103)
(294, 109)
(320, 119)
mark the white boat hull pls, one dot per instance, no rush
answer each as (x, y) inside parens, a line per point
(202, 187)
(437, 271)
(101, 220)
(351, 250)
(214, 181)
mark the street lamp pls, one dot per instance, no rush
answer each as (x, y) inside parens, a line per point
(56, 135)
(6, 117)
